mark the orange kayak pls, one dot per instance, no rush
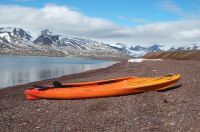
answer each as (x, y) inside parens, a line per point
(104, 88)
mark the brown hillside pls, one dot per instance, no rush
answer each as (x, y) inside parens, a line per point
(179, 55)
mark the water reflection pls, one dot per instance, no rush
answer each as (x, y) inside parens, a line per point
(20, 70)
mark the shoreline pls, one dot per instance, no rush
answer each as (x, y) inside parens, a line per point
(173, 110)
(71, 56)
(47, 81)
(54, 78)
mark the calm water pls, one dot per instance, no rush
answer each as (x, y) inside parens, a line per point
(23, 69)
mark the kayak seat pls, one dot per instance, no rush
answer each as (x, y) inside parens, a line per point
(58, 84)
(40, 87)
(107, 82)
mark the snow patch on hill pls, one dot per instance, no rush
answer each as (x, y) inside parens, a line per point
(141, 60)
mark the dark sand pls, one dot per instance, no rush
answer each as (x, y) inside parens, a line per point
(170, 111)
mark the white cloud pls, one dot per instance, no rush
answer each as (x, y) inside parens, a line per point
(139, 20)
(51, 16)
(62, 19)
(171, 6)
(188, 34)
(133, 20)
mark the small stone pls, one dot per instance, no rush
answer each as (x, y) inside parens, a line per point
(165, 101)
(171, 123)
(116, 112)
(25, 123)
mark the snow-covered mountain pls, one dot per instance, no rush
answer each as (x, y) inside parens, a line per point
(138, 51)
(121, 47)
(17, 32)
(76, 46)
(16, 41)
(185, 47)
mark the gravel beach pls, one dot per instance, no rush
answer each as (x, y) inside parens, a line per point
(169, 111)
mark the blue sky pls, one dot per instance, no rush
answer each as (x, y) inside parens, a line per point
(122, 12)
(127, 18)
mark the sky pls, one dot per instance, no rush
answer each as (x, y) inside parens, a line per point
(144, 22)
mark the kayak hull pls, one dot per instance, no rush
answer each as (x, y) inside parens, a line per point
(113, 87)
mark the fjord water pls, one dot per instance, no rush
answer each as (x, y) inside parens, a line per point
(16, 70)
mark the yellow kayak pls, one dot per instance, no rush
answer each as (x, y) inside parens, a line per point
(103, 88)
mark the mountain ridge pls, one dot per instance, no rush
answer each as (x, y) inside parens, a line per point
(17, 41)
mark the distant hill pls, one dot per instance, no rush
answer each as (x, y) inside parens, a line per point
(179, 55)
